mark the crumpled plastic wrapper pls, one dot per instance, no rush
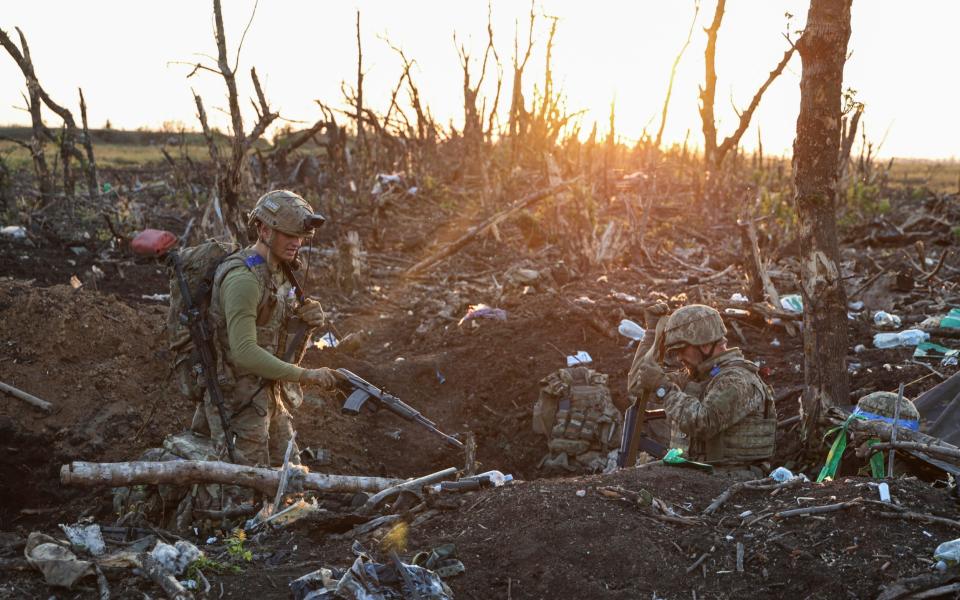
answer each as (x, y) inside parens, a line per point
(59, 565)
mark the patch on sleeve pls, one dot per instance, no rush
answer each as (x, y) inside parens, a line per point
(252, 261)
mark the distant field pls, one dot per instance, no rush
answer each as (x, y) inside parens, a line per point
(939, 176)
(108, 155)
(112, 147)
(117, 148)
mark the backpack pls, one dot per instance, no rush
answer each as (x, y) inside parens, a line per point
(199, 264)
(576, 414)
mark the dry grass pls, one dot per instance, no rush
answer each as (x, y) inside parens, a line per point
(108, 155)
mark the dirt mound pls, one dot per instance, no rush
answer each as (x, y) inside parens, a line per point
(563, 539)
(99, 362)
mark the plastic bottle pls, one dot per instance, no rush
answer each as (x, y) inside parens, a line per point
(631, 330)
(782, 474)
(495, 478)
(948, 554)
(885, 319)
(473, 482)
(907, 337)
(792, 303)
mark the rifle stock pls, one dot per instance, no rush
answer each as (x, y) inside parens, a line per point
(297, 330)
(636, 414)
(203, 343)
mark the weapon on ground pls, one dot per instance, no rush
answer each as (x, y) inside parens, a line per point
(364, 393)
(203, 344)
(635, 416)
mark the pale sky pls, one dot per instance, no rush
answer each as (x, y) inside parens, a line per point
(120, 52)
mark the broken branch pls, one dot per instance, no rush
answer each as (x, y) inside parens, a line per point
(28, 398)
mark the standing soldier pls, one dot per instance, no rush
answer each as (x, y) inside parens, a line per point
(251, 307)
(721, 412)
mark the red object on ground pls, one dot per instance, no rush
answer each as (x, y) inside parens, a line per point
(153, 242)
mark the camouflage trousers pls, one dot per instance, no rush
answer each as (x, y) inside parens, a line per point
(261, 424)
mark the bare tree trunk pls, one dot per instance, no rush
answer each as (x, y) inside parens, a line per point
(714, 153)
(93, 185)
(848, 134)
(823, 50)
(34, 104)
(733, 140)
(517, 122)
(230, 184)
(708, 92)
(673, 75)
(361, 133)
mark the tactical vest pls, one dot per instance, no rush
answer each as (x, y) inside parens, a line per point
(274, 308)
(576, 414)
(753, 438)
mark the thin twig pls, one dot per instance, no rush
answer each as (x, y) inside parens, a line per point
(816, 510)
(700, 560)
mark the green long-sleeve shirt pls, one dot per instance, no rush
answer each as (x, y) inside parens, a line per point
(240, 293)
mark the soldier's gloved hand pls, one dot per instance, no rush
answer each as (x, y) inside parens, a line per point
(652, 314)
(312, 313)
(650, 377)
(324, 378)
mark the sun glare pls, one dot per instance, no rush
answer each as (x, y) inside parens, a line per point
(606, 52)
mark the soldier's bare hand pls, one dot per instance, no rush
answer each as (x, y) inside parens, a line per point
(324, 378)
(312, 313)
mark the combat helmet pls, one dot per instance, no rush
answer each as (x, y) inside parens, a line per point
(693, 325)
(287, 212)
(883, 404)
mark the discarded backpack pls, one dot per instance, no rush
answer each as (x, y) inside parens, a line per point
(576, 414)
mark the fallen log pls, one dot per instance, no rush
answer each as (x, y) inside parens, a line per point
(952, 454)
(455, 246)
(28, 398)
(184, 472)
(909, 586)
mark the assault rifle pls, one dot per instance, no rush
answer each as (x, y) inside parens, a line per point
(632, 438)
(297, 329)
(364, 393)
(203, 345)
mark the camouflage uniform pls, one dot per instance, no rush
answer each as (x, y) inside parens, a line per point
(257, 397)
(721, 412)
(257, 408)
(725, 414)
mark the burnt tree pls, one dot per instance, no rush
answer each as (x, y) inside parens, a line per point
(69, 135)
(714, 152)
(231, 186)
(823, 51)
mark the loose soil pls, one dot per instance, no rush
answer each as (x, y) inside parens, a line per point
(98, 354)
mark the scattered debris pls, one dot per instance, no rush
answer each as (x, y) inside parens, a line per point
(153, 242)
(482, 311)
(15, 232)
(370, 580)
